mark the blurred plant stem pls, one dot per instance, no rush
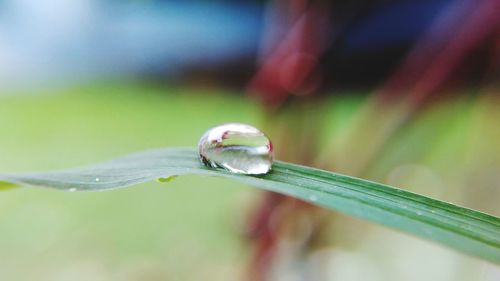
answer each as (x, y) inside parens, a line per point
(283, 228)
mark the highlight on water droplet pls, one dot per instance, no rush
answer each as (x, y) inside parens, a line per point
(97, 179)
(238, 148)
(166, 179)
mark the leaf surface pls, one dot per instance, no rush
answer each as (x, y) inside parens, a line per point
(460, 228)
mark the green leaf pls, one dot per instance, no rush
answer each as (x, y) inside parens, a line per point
(457, 227)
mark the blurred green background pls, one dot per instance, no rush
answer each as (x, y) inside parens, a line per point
(403, 92)
(182, 230)
(191, 228)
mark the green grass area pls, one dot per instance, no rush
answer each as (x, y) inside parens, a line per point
(148, 232)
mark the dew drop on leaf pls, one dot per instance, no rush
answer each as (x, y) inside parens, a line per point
(166, 179)
(237, 148)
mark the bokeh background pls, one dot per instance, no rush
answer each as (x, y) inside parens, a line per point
(404, 92)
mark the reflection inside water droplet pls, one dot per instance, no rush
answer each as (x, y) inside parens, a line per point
(238, 148)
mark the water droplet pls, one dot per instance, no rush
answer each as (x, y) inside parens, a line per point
(73, 189)
(97, 179)
(166, 179)
(313, 198)
(238, 148)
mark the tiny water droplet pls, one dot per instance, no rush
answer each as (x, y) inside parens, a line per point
(97, 179)
(73, 189)
(419, 213)
(166, 179)
(238, 148)
(313, 198)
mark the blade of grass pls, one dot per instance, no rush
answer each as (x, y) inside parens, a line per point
(460, 228)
